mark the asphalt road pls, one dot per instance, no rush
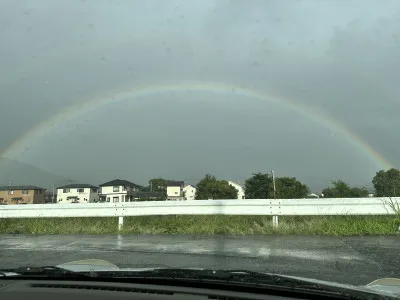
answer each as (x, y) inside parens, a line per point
(354, 260)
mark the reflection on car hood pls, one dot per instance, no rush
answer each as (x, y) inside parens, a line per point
(383, 286)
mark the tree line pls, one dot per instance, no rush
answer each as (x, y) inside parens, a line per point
(263, 186)
(259, 186)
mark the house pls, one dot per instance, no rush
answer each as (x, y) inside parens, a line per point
(175, 190)
(77, 193)
(22, 194)
(189, 192)
(239, 188)
(118, 190)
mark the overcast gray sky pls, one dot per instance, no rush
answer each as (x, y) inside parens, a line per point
(340, 57)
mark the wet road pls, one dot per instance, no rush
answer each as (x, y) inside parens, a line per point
(354, 260)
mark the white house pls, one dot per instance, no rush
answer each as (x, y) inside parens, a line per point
(239, 188)
(175, 190)
(118, 190)
(189, 192)
(77, 193)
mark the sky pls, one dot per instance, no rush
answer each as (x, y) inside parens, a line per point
(335, 60)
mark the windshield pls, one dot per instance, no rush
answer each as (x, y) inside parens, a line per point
(252, 135)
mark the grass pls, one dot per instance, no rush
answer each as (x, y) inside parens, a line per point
(208, 225)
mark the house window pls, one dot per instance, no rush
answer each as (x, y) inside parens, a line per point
(25, 192)
(115, 199)
(108, 199)
(65, 190)
(116, 189)
(10, 192)
(124, 188)
(81, 190)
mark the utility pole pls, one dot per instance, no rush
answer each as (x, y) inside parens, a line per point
(52, 199)
(274, 218)
(273, 182)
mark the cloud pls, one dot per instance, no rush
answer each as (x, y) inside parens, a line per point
(337, 57)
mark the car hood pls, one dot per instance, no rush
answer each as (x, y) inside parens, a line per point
(382, 286)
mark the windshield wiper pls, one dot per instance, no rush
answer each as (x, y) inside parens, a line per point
(243, 277)
(201, 274)
(46, 271)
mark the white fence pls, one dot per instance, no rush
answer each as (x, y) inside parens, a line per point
(265, 207)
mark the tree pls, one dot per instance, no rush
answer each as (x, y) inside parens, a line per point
(341, 189)
(359, 192)
(211, 188)
(387, 183)
(290, 188)
(259, 186)
(157, 185)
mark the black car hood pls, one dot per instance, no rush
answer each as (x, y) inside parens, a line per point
(382, 286)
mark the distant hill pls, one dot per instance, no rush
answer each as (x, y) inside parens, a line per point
(18, 173)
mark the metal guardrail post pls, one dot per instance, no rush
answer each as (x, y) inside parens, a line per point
(275, 221)
(120, 222)
(275, 210)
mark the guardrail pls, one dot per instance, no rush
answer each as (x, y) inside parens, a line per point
(265, 207)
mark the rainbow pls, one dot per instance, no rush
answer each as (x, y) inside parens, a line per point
(74, 111)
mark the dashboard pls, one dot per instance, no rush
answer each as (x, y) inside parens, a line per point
(81, 290)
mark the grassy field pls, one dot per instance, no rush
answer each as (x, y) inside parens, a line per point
(238, 225)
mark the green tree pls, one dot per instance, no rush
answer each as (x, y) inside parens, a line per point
(157, 185)
(341, 189)
(290, 188)
(359, 192)
(211, 188)
(259, 186)
(387, 183)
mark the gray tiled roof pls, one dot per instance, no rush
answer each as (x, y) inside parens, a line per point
(119, 182)
(19, 187)
(77, 186)
(175, 183)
